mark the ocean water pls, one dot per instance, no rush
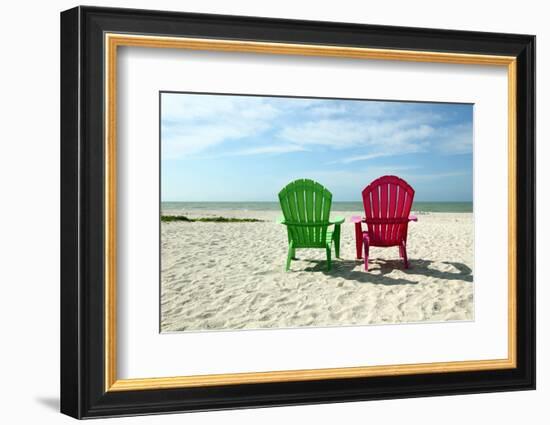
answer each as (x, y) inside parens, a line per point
(449, 207)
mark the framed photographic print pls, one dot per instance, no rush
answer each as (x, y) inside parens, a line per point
(261, 212)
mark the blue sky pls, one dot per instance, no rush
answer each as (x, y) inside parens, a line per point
(246, 148)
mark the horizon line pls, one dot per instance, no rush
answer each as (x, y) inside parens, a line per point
(227, 202)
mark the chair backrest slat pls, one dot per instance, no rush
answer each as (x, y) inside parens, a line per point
(383, 209)
(309, 204)
(392, 228)
(300, 201)
(318, 209)
(375, 209)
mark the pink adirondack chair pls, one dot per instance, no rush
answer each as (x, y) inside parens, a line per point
(387, 202)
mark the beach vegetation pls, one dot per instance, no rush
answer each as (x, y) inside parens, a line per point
(173, 218)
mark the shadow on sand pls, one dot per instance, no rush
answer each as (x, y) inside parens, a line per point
(347, 269)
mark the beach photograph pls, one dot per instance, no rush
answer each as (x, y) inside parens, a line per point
(282, 212)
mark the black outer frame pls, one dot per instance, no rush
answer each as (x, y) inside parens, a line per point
(82, 212)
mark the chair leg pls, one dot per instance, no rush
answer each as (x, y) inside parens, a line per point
(401, 251)
(337, 240)
(294, 253)
(366, 245)
(328, 256)
(405, 259)
(358, 241)
(290, 254)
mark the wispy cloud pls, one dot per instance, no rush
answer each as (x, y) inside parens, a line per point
(192, 123)
(438, 176)
(455, 140)
(341, 133)
(270, 149)
(350, 159)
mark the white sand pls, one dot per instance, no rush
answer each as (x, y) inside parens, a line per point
(224, 276)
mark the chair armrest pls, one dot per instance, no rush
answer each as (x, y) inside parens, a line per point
(356, 219)
(337, 220)
(281, 220)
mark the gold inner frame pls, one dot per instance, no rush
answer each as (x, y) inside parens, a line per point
(113, 41)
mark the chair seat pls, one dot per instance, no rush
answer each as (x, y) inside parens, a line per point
(328, 239)
(373, 242)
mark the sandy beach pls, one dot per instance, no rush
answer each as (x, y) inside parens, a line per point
(227, 276)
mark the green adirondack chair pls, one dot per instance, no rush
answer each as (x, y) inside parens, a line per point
(306, 215)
